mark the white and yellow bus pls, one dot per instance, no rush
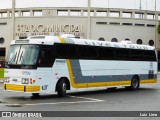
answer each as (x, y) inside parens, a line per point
(49, 64)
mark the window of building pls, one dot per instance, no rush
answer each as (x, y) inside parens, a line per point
(139, 41)
(138, 24)
(151, 42)
(101, 23)
(127, 39)
(150, 25)
(150, 16)
(114, 40)
(1, 40)
(114, 23)
(114, 13)
(25, 13)
(37, 13)
(16, 14)
(101, 39)
(2, 51)
(4, 14)
(139, 15)
(75, 13)
(3, 23)
(127, 24)
(102, 13)
(126, 15)
(63, 13)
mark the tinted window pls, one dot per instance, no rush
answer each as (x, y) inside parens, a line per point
(106, 53)
(46, 58)
(150, 55)
(66, 50)
(137, 55)
(87, 52)
(122, 54)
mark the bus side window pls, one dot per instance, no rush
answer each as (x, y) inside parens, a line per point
(46, 58)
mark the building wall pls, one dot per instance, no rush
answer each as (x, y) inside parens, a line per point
(121, 32)
(131, 24)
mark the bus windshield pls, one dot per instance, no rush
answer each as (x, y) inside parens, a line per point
(23, 54)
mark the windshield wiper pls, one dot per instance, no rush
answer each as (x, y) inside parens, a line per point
(13, 58)
(21, 58)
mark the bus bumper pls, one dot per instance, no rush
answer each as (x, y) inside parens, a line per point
(21, 88)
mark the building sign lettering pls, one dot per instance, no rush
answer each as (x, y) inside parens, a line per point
(52, 29)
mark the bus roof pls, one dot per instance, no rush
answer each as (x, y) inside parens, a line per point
(51, 40)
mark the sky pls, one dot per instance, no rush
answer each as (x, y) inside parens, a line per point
(128, 4)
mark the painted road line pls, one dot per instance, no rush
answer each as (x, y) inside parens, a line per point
(88, 100)
(93, 99)
(56, 103)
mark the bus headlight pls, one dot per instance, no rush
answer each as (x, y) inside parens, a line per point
(25, 81)
(6, 79)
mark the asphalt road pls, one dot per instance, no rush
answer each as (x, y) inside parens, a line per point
(147, 98)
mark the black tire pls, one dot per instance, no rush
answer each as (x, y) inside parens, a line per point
(35, 95)
(135, 83)
(61, 88)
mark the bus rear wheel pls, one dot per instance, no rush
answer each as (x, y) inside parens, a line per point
(134, 84)
(62, 88)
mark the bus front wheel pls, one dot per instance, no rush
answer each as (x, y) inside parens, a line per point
(61, 88)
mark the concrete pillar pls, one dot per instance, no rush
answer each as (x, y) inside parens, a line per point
(31, 13)
(8, 14)
(13, 18)
(69, 12)
(95, 13)
(145, 15)
(82, 13)
(19, 13)
(120, 14)
(156, 16)
(133, 15)
(108, 13)
(89, 21)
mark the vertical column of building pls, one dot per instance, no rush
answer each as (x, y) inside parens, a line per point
(89, 21)
(13, 18)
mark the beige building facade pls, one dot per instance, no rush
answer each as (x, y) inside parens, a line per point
(137, 26)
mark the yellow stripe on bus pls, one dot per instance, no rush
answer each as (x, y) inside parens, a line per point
(61, 40)
(148, 81)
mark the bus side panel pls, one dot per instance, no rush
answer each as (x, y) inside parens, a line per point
(96, 73)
